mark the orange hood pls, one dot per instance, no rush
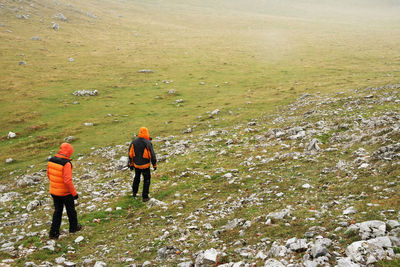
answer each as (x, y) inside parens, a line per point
(144, 133)
(66, 150)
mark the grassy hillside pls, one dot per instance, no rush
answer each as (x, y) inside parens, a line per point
(274, 69)
(265, 53)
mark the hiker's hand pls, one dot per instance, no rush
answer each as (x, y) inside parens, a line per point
(131, 168)
(154, 168)
(76, 196)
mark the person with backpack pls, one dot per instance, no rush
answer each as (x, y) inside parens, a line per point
(141, 156)
(62, 190)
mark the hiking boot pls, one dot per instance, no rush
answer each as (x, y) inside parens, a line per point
(145, 199)
(78, 228)
(134, 195)
(54, 236)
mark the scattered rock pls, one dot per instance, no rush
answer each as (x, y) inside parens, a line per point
(154, 202)
(101, 264)
(35, 38)
(60, 17)
(79, 239)
(55, 26)
(69, 139)
(273, 263)
(313, 145)
(279, 215)
(350, 210)
(33, 205)
(146, 71)
(86, 93)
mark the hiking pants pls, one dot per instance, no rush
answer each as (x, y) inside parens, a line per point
(59, 203)
(146, 182)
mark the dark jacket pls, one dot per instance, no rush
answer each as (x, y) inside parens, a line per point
(141, 154)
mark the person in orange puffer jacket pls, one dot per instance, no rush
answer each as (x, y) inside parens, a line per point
(62, 190)
(141, 156)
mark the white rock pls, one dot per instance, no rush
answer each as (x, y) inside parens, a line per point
(32, 205)
(273, 263)
(279, 215)
(146, 263)
(185, 264)
(371, 229)
(346, 262)
(11, 135)
(359, 251)
(306, 186)
(211, 256)
(350, 210)
(60, 260)
(79, 239)
(393, 224)
(69, 264)
(363, 166)
(213, 133)
(215, 112)
(61, 17)
(9, 160)
(154, 202)
(261, 255)
(313, 145)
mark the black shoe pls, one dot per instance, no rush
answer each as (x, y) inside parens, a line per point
(78, 228)
(54, 236)
(133, 195)
(145, 199)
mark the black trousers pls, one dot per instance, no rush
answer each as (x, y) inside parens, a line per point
(59, 203)
(146, 182)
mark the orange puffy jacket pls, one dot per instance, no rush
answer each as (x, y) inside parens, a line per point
(59, 172)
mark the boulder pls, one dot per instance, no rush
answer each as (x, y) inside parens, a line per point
(372, 229)
(371, 251)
